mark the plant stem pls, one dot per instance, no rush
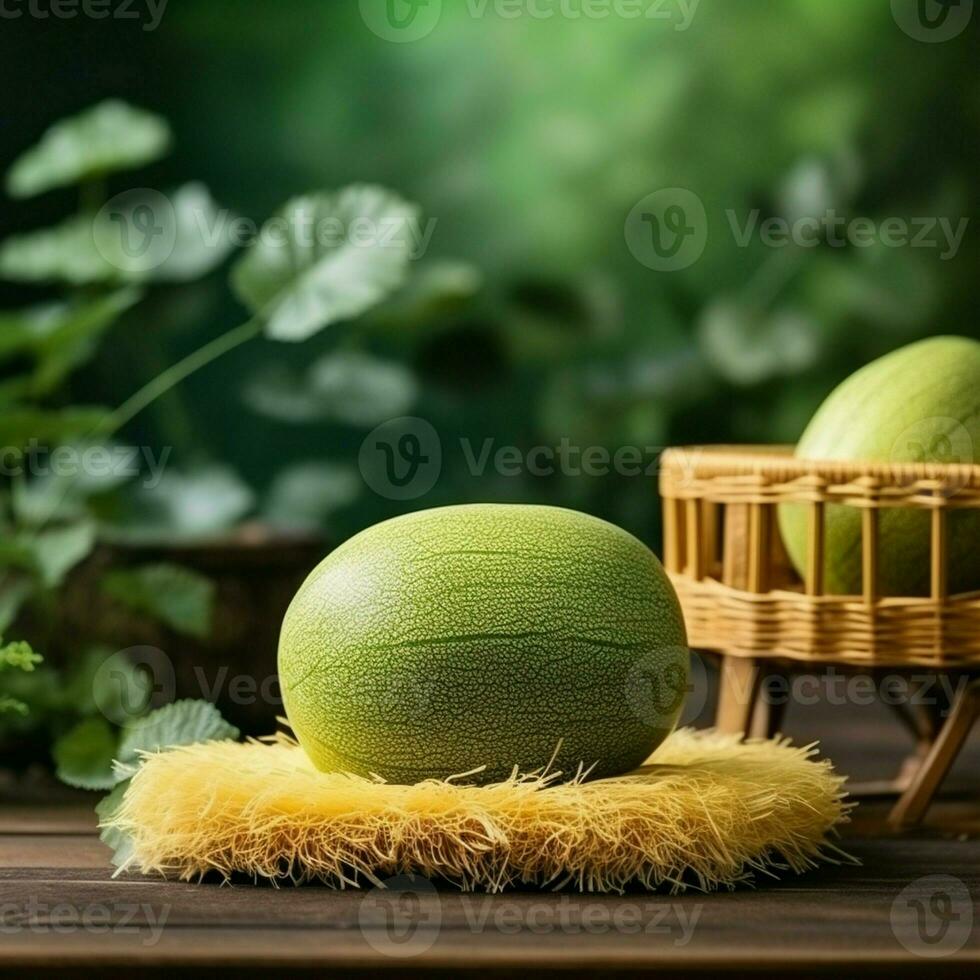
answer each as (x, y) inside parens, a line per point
(176, 373)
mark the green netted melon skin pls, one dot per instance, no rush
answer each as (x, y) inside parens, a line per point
(918, 403)
(484, 635)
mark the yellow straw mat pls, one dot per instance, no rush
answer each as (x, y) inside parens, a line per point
(707, 810)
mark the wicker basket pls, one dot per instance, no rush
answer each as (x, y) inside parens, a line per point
(742, 598)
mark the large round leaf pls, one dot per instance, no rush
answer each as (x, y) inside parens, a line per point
(747, 346)
(345, 386)
(327, 257)
(64, 253)
(109, 136)
(304, 495)
(140, 236)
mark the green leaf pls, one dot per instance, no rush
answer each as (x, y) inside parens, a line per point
(105, 138)
(58, 550)
(60, 336)
(111, 683)
(96, 469)
(180, 723)
(326, 257)
(186, 506)
(146, 236)
(83, 756)
(72, 339)
(303, 495)
(120, 843)
(51, 553)
(178, 597)
(19, 655)
(14, 592)
(346, 387)
(747, 346)
(199, 232)
(65, 253)
(12, 706)
(140, 236)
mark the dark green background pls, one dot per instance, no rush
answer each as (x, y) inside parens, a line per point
(530, 141)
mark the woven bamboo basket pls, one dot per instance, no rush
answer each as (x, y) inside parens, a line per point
(740, 594)
(742, 598)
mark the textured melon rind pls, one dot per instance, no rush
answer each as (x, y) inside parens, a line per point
(887, 412)
(484, 635)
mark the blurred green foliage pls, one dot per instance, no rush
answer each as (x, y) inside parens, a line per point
(529, 320)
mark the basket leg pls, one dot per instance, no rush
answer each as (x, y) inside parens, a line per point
(737, 694)
(912, 806)
(768, 716)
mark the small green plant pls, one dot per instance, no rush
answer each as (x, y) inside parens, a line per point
(309, 266)
(101, 762)
(16, 656)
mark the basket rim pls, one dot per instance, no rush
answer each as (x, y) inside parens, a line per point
(777, 463)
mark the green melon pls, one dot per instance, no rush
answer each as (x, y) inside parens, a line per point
(484, 635)
(919, 403)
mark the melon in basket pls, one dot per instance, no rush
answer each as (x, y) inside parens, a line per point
(920, 403)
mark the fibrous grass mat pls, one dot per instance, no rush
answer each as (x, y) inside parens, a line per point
(707, 810)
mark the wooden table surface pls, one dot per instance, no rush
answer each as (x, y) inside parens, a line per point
(62, 911)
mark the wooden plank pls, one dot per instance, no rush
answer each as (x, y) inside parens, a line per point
(69, 851)
(196, 953)
(50, 818)
(835, 920)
